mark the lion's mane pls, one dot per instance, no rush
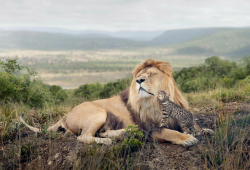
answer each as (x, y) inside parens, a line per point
(148, 109)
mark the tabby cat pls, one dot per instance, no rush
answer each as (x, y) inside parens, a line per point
(184, 117)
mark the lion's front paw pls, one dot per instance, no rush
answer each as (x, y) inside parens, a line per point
(187, 140)
(191, 140)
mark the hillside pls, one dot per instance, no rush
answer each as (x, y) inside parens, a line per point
(56, 41)
(231, 43)
(227, 42)
(183, 35)
(132, 35)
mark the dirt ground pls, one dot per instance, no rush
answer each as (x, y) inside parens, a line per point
(58, 152)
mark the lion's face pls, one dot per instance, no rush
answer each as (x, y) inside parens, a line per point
(148, 82)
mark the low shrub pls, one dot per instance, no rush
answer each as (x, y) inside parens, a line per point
(98, 90)
(16, 86)
(59, 95)
(215, 73)
(114, 88)
(89, 91)
(132, 142)
(38, 94)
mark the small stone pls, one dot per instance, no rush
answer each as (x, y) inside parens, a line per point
(196, 109)
(57, 155)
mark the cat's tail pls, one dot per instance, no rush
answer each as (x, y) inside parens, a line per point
(204, 131)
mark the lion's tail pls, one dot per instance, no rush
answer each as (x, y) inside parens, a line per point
(30, 127)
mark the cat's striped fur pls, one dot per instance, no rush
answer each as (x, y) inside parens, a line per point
(185, 118)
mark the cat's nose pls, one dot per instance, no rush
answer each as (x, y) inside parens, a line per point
(140, 80)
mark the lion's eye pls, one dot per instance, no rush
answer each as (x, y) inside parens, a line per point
(152, 74)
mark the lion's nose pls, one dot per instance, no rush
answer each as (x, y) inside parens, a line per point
(140, 81)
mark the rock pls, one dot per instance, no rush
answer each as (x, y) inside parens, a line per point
(196, 109)
(56, 156)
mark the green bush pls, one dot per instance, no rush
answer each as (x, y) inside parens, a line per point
(213, 74)
(13, 88)
(114, 88)
(132, 142)
(14, 80)
(98, 90)
(59, 95)
(246, 63)
(38, 94)
(16, 86)
(89, 91)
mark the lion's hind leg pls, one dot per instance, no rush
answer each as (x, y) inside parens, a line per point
(59, 126)
(113, 133)
(175, 137)
(90, 127)
(87, 138)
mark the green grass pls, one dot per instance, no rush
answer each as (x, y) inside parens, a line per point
(230, 147)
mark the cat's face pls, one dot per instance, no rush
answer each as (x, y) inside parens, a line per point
(163, 96)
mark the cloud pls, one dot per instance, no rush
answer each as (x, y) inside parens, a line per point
(114, 15)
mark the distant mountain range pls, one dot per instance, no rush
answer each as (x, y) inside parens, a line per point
(228, 43)
(231, 42)
(58, 41)
(132, 35)
(183, 35)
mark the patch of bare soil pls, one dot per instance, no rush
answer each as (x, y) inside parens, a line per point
(44, 151)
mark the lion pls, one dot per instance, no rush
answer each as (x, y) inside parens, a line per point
(137, 105)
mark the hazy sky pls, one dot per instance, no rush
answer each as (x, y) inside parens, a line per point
(116, 15)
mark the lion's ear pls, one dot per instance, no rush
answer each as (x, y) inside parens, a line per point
(165, 67)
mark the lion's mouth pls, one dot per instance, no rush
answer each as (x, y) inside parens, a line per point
(145, 91)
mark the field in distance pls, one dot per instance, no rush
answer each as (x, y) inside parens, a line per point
(73, 68)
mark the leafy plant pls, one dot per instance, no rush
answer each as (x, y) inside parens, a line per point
(132, 142)
(12, 67)
(98, 90)
(58, 94)
(89, 91)
(14, 80)
(214, 73)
